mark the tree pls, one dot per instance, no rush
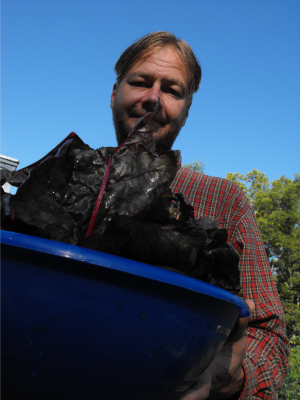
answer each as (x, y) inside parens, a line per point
(277, 210)
(278, 216)
(196, 166)
(251, 183)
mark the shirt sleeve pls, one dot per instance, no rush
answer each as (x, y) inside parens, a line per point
(266, 359)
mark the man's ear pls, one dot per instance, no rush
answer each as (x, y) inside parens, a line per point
(113, 95)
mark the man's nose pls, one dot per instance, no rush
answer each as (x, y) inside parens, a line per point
(151, 96)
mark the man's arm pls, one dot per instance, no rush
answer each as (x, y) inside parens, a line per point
(265, 362)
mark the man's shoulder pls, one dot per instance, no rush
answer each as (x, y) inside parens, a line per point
(185, 176)
(210, 195)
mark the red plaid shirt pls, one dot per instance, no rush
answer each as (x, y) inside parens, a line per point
(266, 360)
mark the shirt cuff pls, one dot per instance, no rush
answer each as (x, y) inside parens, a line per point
(250, 382)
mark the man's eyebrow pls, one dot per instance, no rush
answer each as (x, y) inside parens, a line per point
(169, 81)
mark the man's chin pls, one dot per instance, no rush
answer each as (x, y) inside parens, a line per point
(122, 132)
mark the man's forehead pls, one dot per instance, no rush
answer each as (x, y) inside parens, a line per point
(134, 69)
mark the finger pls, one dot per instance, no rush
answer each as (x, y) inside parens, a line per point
(244, 313)
(244, 320)
(251, 305)
(241, 325)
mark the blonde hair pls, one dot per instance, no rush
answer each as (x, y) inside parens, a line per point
(154, 40)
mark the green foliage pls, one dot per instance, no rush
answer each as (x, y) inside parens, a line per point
(291, 388)
(277, 210)
(196, 166)
(251, 183)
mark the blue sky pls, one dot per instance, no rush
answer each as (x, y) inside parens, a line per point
(57, 74)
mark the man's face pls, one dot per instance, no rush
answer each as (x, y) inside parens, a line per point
(159, 74)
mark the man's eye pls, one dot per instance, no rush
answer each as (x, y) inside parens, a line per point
(173, 92)
(139, 84)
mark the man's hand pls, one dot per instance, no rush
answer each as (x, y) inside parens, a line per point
(224, 377)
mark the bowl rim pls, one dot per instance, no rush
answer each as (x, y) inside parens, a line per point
(105, 260)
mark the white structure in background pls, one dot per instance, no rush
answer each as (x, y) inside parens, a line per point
(10, 164)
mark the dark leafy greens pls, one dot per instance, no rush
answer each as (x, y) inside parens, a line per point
(118, 200)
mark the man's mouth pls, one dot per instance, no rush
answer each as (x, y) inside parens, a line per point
(154, 121)
(153, 126)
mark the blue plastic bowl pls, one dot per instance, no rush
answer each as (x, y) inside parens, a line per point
(83, 325)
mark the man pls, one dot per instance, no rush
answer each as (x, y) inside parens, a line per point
(253, 362)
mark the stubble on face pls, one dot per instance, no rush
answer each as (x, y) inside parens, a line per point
(164, 143)
(121, 128)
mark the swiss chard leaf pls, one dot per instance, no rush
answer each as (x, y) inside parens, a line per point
(117, 200)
